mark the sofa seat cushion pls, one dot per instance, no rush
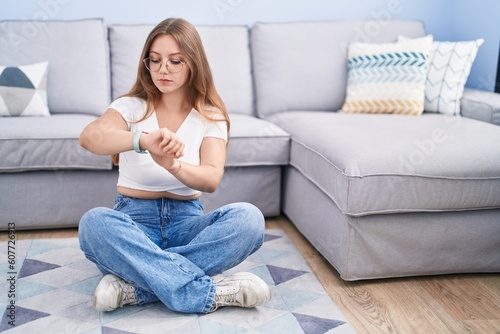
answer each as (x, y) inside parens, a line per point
(46, 143)
(256, 142)
(371, 164)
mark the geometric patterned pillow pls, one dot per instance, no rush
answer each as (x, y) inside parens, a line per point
(449, 68)
(387, 78)
(23, 90)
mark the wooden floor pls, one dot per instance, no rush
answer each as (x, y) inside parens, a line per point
(436, 304)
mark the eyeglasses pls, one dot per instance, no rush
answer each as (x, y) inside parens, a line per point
(154, 65)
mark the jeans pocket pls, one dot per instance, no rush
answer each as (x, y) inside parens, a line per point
(198, 205)
(120, 202)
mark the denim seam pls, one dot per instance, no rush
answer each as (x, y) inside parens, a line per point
(210, 297)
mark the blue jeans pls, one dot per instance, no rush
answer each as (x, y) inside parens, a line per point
(169, 249)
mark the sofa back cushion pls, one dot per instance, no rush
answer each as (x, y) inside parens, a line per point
(228, 53)
(303, 65)
(77, 56)
(47, 143)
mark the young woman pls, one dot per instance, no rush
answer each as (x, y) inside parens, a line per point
(171, 133)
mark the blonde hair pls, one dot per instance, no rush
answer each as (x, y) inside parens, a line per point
(202, 94)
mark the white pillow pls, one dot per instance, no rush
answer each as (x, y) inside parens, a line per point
(449, 67)
(387, 78)
(23, 90)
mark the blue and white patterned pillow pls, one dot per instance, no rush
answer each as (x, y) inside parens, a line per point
(23, 90)
(387, 78)
(449, 67)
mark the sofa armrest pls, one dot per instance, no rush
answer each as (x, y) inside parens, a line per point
(481, 105)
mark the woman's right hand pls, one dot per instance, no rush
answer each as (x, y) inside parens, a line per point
(162, 142)
(164, 146)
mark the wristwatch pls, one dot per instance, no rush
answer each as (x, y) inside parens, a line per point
(135, 142)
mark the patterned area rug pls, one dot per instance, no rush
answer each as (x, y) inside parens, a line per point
(49, 290)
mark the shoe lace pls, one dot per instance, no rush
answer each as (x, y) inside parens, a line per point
(128, 294)
(226, 296)
(226, 299)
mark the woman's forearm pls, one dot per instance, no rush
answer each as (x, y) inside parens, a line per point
(100, 139)
(204, 178)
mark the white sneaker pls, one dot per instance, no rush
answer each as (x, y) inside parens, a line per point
(113, 292)
(241, 290)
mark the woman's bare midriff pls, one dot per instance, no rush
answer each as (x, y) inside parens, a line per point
(143, 194)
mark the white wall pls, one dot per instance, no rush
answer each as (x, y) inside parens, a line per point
(445, 19)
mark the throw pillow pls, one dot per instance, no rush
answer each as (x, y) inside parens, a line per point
(449, 67)
(387, 78)
(23, 90)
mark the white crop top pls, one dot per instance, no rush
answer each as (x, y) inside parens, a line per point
(139, 171)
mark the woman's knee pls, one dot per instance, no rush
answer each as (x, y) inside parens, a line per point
(94, 221)
(250, 223)
(97, 229)
(249, 217)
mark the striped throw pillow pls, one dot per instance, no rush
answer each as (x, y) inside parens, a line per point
(387, 78)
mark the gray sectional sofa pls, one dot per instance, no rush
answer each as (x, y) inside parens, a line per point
(344, 180)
